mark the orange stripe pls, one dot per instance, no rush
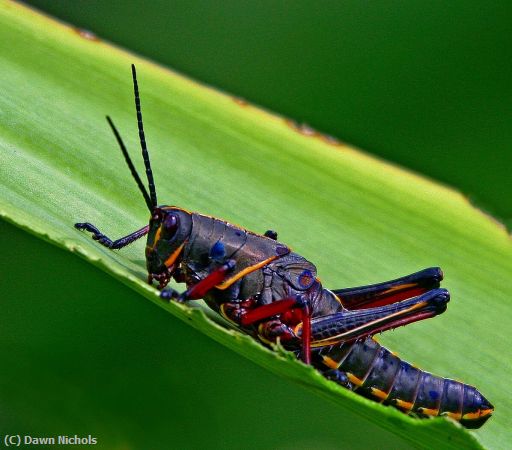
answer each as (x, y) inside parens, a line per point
(157, 234)
(353, 379)
(398, 288)
(157, 237)
(379, 394)
(170, 208)
(477, 414)
(471, 416)
(455, 416)
(329, 362)
(225, 284)
(428, 411)
(170, 261)
(405, 405)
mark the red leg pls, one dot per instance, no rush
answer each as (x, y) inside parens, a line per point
(260, 313)
(306, 333)
(201, 288)
(247, 314)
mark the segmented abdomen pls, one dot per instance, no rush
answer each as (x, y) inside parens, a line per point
(378, 374)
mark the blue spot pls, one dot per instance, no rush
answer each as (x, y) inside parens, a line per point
(434, 395)
(218, 251)
(306, 279)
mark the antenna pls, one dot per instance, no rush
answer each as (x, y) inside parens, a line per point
(145, 154)
(130, 164)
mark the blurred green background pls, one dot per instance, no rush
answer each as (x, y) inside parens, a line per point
(426, 84)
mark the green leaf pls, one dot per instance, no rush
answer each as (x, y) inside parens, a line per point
(358, 219)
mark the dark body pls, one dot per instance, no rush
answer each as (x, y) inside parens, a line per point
(365, 366)
(285, 274)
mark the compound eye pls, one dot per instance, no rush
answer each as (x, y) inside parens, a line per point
(171, 224)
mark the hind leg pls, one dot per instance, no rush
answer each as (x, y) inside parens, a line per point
(389, 292)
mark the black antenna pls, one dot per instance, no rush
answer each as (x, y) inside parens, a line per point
(130, 164)
(145, 154)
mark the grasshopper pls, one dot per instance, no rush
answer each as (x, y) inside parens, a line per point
(273, 294)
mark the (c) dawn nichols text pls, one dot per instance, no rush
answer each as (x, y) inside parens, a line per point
(59, 440)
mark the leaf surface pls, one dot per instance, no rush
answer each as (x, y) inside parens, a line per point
(358, 219)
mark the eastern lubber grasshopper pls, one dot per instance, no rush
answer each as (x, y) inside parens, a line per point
(273, 294)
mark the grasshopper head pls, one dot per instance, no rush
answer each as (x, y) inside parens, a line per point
(169, 226)
(169, 229)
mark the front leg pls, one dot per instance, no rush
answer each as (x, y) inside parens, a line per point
(97, 235)
(202, 287)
